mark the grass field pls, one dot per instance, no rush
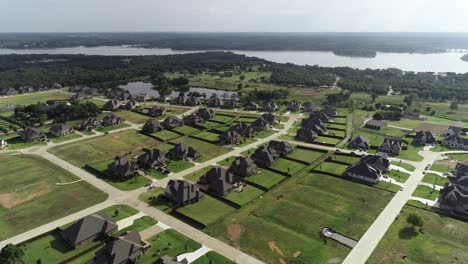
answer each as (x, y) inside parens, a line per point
(30, 196)
(346, 159)
(209, 125)
(426, 193)
(105, 129)
(32, 98)
(331, 167)
(133, 117)
(444, 240)
(227, 162)
(399, 176)
(158, 202)
(463, 158)
(307, 155)
(248, 194)
(128, 185)
(405, 166)
(327, 140)
(15, 142)
(288, 166)
(62, 139)
(179, 165)
(266, 178)
(433, 178)
(187, 130)
(212, 258)
(206, 211)
(223, 118)
(285, 224)
(412, 153)
(213, 137)
(206, 150)
(195, 176)
(106, 147)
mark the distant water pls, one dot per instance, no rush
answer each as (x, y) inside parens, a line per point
(436, 62)
(142, 87)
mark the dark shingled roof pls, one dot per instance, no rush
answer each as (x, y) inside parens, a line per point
(124, 249)
(364, 170)
(89, 226)
(220, 181)
(182, 192)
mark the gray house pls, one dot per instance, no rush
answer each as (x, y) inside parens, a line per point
(265, 156)
(125, 249)
(260, 124)
(329, 111)
(182, 192)
(230, 104)
(454, 195)
(112, 105)
(60, 130)
(252, 106)
(377, 161)
(131, 104)
(375, 124)
(455, 142)
(214, 102)
(360, 143)
(122, 168)
(152, 126)
(112, 120)
(424, 137)
(307, 135)
(172, 122)
(270, 118)
(156, 111)
(90, 124)
(242, 129)
(183, 152)
(152, 158)
(89, 229)
(391, 146)
(294, 106)
(32, 134)
(220, 181)
(314, 124)
(193, 119)
(283, 148)
(270, 106)
(243, 166)
(229, 137)
(205, 113)
(363, 171)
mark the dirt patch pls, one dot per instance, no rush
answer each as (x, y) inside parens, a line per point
(436, 128)
(9, 200)
(334, 260)
(297, 254)
(274, 247)
(235, 231)
(282, 261)
(447, 163)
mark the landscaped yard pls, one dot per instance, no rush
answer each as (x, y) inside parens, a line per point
(166, 135)
(212, 258)
(158, 202)
(207, 150)
(331, 167)
(213, 137)
(227, 162)
(399, 176)
(433, 178)
(266, 178)
(426, 193)
(285, 224)
(106, 175)
(223, 118)
(64, 138)
(133, 117)
(248, 194)
(195, 176)
(179, 165)
(444, 240)
(30, 194)
(206, 211)
(346, 159)
(187, 130)
(307, 155)
(405, 166)
(412, 153)
(288, 166)
(327, 140)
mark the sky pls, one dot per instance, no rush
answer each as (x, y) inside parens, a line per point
(234, 15)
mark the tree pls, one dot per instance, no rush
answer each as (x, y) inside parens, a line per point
(239, 86)
(453, 106)
(11, 254)
(116, 212)
(242, 77)
(162, 85)
(374, 96)
(410, 98)
(415, 220)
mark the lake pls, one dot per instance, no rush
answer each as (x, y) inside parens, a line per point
(142, 87)
(437, 62)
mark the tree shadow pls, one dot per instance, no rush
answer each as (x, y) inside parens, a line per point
(407, 232)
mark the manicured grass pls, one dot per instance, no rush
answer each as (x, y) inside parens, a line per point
(133, 117)
(444, 240)
(206, 211)
(170, 243)
(124, 211)
(387, 186)
(179, 165)
(208, 124)
(463, 158)
(62, 139)
(288, 218)
(405, 166)
(264, 134)
(440, 167)
(426, 193)
(288, 166)
(338, 133)
(399, 176)
(106, 147)
(195, 176)
(213, 258)
(406, 123)
(246, 119)
(15, 142)
(30, 196)
(307, 155)
(223, 118)
(152, 197)
(248, 194)
(140, 224)
(156, 174)
(187, 130)
(105, 129)
(331, 167)
(166, 135)
(245, 141)
(411, 153)
(213, 137)
(433, 178)
(266, 178)
(227, 162)
(128, 185)
(32, 98)
(346, 159)
(327, 140)
(207, 150)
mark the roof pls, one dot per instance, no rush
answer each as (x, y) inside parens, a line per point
(364, 170)
(32, 132)
(219, 180)
(60, 127)
(392, 143)
(376, 161)
(359, 140)
(89, 226)
(375, 123)
(120, 249)
(282, 147)
(182, 191)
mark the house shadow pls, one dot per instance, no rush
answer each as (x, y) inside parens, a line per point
(407, 233)
(59, 244)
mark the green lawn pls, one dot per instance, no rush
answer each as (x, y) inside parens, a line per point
(106, 147)
(331, 167)
(166, 135)
(399, 176)
(411, 153)
(32, 98)
(264, 134)
(124, 211)
(170, 243)
(444, 240)
(206, 211)
(248, 194)
(208, 124)
(133, 117)
(213, 258)
(346, 159)
(291, 216)
(207, 150)
(266, 178)
(433, 178)
(152, 197)
(426, 193)
(327, 140)
(187, 130)
(62, 139)
(213, 137)
(227, 162)
(179, 165)
(223, 118)
(128, 185)
(195, 176)
(30, 196)
(405, 166)
(15, 142)
(156, 174)
(307, 155)
(440, 167)
(463, 158)
(288, 166)
(105, 129)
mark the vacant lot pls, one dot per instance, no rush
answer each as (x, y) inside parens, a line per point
(444, 240)
(106, 147)
(33, 98)
(433, 178)
(133, 117)
(248, 194)
(463, 158)
(165, 135)
(206, 211)
(426, 193)
(30, 195)
(213, 137)
(284, 226)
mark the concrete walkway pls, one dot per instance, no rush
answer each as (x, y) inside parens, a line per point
(126, 222)
(430, 185)
(398, 168)
(434, 203)
(191, 257)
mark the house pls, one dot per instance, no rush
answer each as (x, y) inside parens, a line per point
(283, 148)
(183, 152)
(391, 146)
(259, 124)
(377, 161)
(112, 120)
(3, 144)
(360, 143)
(229, 137)
(182, 192)
(122, 168)
(156, 111)
(265, 156)
(363, 171)
(455, 142)
(424, 137)
(172, 122)
(214, 102)
(78, 97)
(152, 158)
(151, 126)
(193, 101)
(141, 97)
(230, 104)
(170, 260)
(90, 124)
(227, 74)
(8, 91)
(205, 113)
(242, 128)
(131, 105)
(220, 181)
(454, 195)
(414, 115)
(193, 119)
(314, 124)
(89, 229)
(309, 107)
(32, 134)
(452, 130)
(270, 118)
(251, 106)
(243, 166)
(125, 249)
(112, 105)
(294, 106)
(321, 116)
(270, 106)
(307, 135)
(329, 111)
(375, 124)
(179, 100)
(60, 130)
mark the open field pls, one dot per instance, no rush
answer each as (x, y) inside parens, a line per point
(206, 211)
(206, 150)
(133, 117)
(444, 240)
(248, 194)
(284, 225)
(266, 178)
(166, 135)
(105, 147)
(307, 155)
(32, 98)
(30, 196)
(287, 166)
(212, 258)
